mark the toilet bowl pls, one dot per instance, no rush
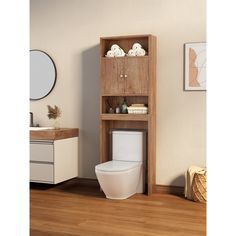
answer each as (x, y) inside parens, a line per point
(120, 179)
(123, 176)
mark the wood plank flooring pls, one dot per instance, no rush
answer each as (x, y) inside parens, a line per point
(72, 209)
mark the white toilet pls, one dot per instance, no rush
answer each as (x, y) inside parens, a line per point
(124, 175)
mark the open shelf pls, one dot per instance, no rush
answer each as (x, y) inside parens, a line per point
(114, 101)
(135, 117)
(125, 43)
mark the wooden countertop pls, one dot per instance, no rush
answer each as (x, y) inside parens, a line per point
(54, 134)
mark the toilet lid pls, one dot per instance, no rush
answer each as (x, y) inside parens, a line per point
(115, 166)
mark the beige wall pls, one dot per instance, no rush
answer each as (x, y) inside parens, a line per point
(69, 31)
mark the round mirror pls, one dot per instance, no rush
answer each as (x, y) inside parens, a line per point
(42, 74)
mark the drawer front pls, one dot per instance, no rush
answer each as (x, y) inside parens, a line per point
(41, 152)
(41, 172)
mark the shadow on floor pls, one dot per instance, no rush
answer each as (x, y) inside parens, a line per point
(78, 186)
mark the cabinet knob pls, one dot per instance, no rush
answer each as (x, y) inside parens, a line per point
(121, 76)
(126, 76)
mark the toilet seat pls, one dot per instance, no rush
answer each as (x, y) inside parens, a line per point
(117, 166)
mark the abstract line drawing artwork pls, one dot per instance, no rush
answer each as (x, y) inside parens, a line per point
(195, 66)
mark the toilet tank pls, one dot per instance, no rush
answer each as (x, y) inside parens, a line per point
(128, 145)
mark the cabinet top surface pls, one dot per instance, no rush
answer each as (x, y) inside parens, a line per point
(54, 134)
(125, 58)
(128, 36)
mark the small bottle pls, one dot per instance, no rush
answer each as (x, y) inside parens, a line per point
(124, 106)
(117, 110)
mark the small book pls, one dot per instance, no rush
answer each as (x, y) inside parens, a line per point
(138, 105)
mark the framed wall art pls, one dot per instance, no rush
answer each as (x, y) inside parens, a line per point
(195, 66)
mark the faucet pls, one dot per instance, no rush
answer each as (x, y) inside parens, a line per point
(31, 119)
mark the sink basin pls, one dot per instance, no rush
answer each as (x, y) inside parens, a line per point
(40, 128)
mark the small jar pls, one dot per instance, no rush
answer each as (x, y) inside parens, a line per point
(117, 110)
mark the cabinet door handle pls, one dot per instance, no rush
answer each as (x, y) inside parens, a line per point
(126, 76)
(121, 76)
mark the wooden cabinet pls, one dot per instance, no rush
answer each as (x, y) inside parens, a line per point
(53, 160)
(127, 75)
(135, 79)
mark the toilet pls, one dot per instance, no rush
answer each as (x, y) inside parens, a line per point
(123, 176)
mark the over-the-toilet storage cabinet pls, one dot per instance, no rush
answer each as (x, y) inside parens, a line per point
(135, 79)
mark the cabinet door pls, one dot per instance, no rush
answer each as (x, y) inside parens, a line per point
(136, 75)
(112, 76)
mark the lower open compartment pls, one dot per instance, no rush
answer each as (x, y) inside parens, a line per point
(107, 126)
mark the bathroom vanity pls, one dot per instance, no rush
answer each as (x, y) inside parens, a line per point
(53, 155)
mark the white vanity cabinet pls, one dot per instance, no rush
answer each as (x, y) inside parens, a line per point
(53, 161)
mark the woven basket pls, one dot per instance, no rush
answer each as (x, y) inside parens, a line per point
(199, 187)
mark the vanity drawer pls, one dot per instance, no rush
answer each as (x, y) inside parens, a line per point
(41, 172)
(41, 151)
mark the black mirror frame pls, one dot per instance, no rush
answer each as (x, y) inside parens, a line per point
(36, 99)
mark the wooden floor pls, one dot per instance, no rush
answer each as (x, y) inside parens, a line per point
(71, 208)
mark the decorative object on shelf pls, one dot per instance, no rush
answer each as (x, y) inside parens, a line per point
(56, 124)
(137, 109)
(195, 66)
(110, 110)
(124, 107)
(136, 50)
(117, 110)
(109, 107)
(55, 114)
(115, 51)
